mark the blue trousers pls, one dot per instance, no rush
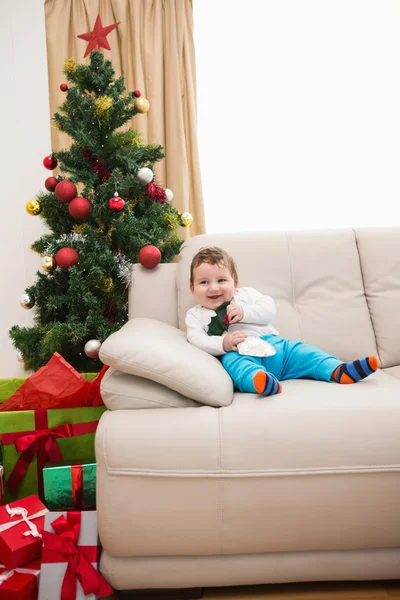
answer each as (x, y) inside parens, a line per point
(293, 360)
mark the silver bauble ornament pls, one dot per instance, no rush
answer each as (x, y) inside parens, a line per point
(20, 356)
(92, 348)
(169, 194)
(26, 301)
(145, 175)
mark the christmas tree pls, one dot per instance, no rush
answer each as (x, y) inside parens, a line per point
(120, 216)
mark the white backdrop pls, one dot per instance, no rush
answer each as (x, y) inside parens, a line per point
(25, 133)
(298, 112)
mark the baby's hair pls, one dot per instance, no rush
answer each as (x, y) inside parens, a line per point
(213, 256)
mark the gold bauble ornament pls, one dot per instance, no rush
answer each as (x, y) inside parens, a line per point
(69, 66)
(103, 103)
(20, 356)
(33, 207)
(48, 263)
(142, 105)
(186, 219)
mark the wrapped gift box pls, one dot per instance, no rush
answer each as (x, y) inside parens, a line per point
(70, 485)
(71, 535)
(1, 485)
(21, 524)
(26, 436)
(20, 583)
(52, 416)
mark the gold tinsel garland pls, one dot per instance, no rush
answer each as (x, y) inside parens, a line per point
(137, 139)
(81, 229)
(171, 220)
(100, 225)
(103, 103)
(109, 235)
(108, 284)
(69, 67)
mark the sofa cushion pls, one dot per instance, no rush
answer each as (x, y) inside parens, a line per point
(160, 352)
(379, 249)
(313, 276)
(123, 391)
(314, 468)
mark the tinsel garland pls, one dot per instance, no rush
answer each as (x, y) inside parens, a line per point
(103, 103)
(156, 193)
(124, 268)
(66, 239)
(102, 172)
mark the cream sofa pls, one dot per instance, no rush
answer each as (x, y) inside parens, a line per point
(224, 488)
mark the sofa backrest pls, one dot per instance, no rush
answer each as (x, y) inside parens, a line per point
(379, 250)
(317, 279)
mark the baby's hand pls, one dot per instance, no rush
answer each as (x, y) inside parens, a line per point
(231, 340)
(235, 313)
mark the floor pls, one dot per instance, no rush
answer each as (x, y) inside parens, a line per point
(373, 590)
(309, 591)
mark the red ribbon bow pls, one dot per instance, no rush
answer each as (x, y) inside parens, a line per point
(61, 546)
(41, 442)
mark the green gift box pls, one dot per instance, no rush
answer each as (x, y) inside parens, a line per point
(70, 485)
(32, 438)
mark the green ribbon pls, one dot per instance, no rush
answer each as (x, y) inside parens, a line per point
(217, 325)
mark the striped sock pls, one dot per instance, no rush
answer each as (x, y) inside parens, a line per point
(266, 384)
(352, 372)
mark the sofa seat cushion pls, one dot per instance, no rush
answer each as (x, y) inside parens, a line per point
(159, 352)
(393, 371)
(292, 472)
(122, 391)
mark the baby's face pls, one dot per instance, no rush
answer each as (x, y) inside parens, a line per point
(213, 285)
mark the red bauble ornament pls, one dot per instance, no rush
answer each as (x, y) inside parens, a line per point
(65, 191)
(64, 87)
(156, 193)
(137, 93)
(79, 208)
(50, 184)
(50, 162)
(66, 258)
(149, 257)
(116, 204)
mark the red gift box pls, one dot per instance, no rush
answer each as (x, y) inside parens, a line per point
(21, 583)
(21, 524)
(1, 485)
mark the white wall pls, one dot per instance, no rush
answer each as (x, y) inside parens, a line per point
(25, 129)
(298, 112)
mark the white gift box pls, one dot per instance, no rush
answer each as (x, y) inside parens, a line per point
(52, 573)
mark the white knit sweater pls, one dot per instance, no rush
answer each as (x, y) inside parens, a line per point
(259, 312)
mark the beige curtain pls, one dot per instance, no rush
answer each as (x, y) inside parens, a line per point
(153, 49)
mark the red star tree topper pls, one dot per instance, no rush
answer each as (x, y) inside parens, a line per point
(98, 37)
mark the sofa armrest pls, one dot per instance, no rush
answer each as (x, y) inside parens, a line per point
(159, 352)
